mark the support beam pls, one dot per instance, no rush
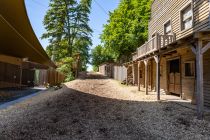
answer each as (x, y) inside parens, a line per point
(199, 70)
(139, 65)
(199, 80)
(205, 48)
(193, 50)
(199, 51)
(157, 60)
(146, 76)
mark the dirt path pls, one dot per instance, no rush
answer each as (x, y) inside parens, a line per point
(96, 108)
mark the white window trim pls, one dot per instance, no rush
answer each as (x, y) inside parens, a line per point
(180, 16)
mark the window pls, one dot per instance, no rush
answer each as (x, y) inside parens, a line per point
(174, 66)
(189, 69)
(186, 18)
(167, 28)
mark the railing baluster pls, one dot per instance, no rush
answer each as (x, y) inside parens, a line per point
(167, 40)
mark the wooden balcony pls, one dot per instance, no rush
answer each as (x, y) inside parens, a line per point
(154, 44)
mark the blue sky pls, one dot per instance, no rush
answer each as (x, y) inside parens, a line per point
(37, 8)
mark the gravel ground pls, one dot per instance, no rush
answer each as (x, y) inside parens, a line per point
(97, 108)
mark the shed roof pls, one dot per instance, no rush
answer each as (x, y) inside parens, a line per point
(17, 37)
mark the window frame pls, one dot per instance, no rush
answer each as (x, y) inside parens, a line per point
(164, 27)
(181, 16)
(194, 71)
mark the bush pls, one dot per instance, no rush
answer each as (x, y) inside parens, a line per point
(69, 77)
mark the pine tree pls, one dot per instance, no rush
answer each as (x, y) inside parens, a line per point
(67, 29)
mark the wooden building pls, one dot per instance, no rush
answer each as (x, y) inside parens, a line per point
(176, 58)
(21, 53)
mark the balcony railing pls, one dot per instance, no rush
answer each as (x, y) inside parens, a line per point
(154, 44)
(166, 40)
(134, 56)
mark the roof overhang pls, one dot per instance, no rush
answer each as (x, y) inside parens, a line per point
(17, 37)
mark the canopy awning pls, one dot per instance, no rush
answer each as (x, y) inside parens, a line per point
(17, 37)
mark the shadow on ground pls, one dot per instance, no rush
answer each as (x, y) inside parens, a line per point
(73, 114)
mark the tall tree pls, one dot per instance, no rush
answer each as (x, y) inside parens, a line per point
(83, 36)
(66, 24)
(100, 55)
(127, 28)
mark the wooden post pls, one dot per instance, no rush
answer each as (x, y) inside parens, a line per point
(199, 77)
(157, 60)
(146, 76)
(133, 72)
(199, 51)
(139, 65)
(199, 85)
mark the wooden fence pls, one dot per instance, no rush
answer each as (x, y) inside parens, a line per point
(119, 73)
(115, 71)
(14, 76)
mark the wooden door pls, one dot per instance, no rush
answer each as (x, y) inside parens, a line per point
(174, 77)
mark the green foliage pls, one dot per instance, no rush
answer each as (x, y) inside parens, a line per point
(99, 56)
(127, 28)
(68, 32)
(65, 67)
(95, 68)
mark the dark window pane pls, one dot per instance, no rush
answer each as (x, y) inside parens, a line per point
(189, 69)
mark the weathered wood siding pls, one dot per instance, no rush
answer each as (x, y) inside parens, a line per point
(187, 83)
(206, 76)
(163, 77)
(165, 10)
